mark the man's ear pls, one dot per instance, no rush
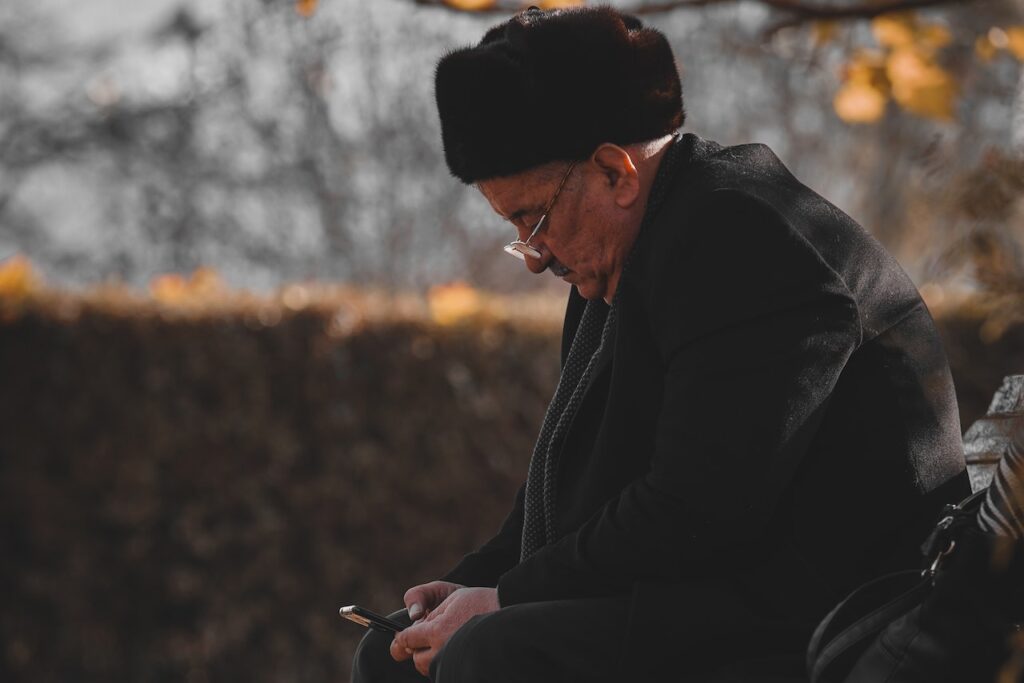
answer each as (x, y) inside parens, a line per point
(620, 174)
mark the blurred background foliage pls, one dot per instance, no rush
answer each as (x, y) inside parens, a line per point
(261, 356)
(192, 483)
(278, 140)
(194, 478)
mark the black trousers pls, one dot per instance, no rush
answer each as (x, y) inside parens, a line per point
(567, 641)
(562, 640)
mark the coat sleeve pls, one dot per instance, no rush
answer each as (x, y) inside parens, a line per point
(753, 329)
(484, 566)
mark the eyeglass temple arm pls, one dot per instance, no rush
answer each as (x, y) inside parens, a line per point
(533, 234)
(547, 209)
(558, 191)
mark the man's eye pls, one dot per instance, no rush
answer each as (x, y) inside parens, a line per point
(530, 221)
(522, 223)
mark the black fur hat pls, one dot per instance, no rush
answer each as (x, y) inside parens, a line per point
(547, 86)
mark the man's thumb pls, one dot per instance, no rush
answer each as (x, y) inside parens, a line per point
(415, 611)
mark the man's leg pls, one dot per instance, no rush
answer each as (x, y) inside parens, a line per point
(562, 640)
(373, 663)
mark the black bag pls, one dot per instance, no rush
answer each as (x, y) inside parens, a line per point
(950, 622)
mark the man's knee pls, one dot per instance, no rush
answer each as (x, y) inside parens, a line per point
(373, 658)
(373, 663)
(482, 650)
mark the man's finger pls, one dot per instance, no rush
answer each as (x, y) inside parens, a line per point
(419, 599)
(415, 637)
(415, 602)
(422, 659)
(399, 653)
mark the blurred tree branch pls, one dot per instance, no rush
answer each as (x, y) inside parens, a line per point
(256, 140)
(807, 11)
(800, 10)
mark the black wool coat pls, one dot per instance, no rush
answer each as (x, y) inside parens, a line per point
(774, 424)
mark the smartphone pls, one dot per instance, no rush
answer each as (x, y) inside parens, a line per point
(365, 617)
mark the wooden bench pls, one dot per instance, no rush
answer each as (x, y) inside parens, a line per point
(989, 438)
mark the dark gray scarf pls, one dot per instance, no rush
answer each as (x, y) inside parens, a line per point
(596, 329)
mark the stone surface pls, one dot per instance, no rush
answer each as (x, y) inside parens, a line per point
(989, 438)
(1009, 398)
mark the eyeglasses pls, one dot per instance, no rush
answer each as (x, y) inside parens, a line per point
(521, 249)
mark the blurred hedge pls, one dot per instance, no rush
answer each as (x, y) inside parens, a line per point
(983, 333)
(190, 486)
(189, 494)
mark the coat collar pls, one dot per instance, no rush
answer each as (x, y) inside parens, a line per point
(690, 149)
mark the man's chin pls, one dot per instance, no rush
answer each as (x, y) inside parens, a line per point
(589, 291)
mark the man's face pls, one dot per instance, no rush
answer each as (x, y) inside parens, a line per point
(577, 241)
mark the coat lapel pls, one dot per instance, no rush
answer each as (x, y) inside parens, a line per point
(692, 147)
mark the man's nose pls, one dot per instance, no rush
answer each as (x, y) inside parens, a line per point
(536, 265)
(523, 232)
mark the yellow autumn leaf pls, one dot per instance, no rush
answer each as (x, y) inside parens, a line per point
(306, 8)
(867, 67)
(934, 35)
(984, 48)
(169, 289)
(470, 5)
(204, 282)
(17, 278)
(921, 86)
(998, 38)
(1015, 41)
(557, 4)
(452, 303)
(894, 30)
(859, 102)
(824, 32)
(934, 101)
(909, 67)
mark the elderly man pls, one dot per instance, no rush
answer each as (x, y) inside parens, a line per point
(754, 415)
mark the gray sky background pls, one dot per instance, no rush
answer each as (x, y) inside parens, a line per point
(119, 214)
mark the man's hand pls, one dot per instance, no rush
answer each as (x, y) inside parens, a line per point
(425, 638)
(420, 600)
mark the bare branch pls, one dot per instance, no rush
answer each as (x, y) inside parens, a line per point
(851, 12)
(494, 9)
(672, 5)
(799, 10)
